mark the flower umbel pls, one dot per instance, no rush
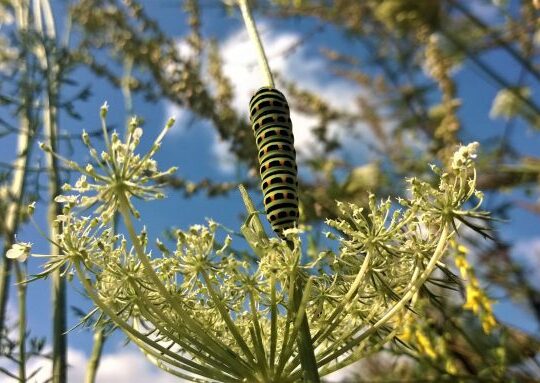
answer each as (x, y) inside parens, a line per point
(117, 173)
(203, 310)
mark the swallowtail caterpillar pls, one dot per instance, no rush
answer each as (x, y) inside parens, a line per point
(272, 126)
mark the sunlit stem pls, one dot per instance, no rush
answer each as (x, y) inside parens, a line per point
(21, 295)
(405, 300)
(202, 333)
(20, 166)
(273, 321)
(256, 40)
(93, 362)
(304, 341)
(226, 317)
(188, 342)
(45, 25)
(257, 335)
(134, 334)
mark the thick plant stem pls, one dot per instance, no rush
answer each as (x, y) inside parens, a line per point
(93, 362)
(305, 342)
(12, 218)
(20, 169)
(21, 295)
(42, 8)
(58, 282)
(256, 40)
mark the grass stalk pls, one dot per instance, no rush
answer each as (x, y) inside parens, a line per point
(21, 297)
(256, 40)
(45, 25)
(95, 357)
(20, 168)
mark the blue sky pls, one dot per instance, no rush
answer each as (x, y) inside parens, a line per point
(199, 154)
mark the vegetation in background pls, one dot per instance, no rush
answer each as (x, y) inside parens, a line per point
(405, 75)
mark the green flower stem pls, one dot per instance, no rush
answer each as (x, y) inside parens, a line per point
(136, 336)
(42, 12)
(258, 336)
(25, 138)
(322, 334)
(256, 40)
(290, 310)
(21, 295)
(227, 318)
(273, 322)
(304, 341)
(418, 282)
(309, 365)
(93, 362)
(149, 270)
(216, 360)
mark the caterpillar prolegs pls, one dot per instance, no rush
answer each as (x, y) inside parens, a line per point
(272, 126)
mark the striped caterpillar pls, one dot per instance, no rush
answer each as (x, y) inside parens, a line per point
(272, 126)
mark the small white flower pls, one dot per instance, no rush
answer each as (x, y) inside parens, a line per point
(31, 208)
(19, 251)
(104, 109)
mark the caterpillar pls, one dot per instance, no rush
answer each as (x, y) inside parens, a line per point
(272, 126)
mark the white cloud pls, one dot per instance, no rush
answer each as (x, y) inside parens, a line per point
(126, 365)
(528, 252)
(130, 366)
(240, 66)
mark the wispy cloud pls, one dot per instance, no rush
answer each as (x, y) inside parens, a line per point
(125, 365)
(240, 66)
(528, 253)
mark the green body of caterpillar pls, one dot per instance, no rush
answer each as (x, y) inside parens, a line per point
(272, 126)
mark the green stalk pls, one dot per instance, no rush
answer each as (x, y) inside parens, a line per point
(58, 282)
(45, 25)
(93, 362)
(403, 302)
(136, 336)
(206, 337)
(256, 40)
(21, 295)
(226, 317)
(258, 336)
(20, 169)
(273, 322)
(304, 341)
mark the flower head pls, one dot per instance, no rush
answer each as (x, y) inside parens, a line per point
(119, 173)
(19, 251)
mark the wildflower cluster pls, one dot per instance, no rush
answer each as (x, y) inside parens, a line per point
(476, 299)
(417, 332)
(120, 173)
(204, 312)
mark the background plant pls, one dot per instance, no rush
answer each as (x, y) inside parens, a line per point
(201, 311)
(128, 44)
